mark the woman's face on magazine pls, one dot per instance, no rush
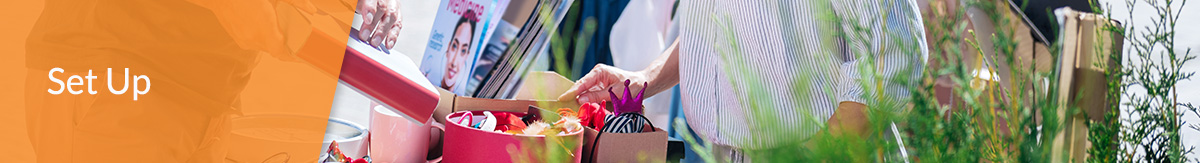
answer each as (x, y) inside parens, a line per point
(456, 54)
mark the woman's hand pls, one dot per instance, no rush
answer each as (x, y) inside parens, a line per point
(594, 86)
(660, 75)
(381, 22)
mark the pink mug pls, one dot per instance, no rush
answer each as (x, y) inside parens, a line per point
(394, 138)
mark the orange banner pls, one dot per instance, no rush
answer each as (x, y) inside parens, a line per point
(168, 80)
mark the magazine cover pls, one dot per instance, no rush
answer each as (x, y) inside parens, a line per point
(457, 33)
(504, 33)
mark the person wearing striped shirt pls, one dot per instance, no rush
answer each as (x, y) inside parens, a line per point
(803, 65)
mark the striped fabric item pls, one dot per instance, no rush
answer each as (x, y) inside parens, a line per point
(623, 123)
(795, 65)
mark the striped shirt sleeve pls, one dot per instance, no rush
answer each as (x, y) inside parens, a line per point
(888, 33)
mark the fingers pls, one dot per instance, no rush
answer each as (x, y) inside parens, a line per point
(596, 96)
(594, 86)
(371, 22)
(396, 26)
(390, 40)
(385, 28)
(368, 27)
(586, 82)
(366, 9)
(377, 37)
(381, 17)
(598, 93)
(382, 7)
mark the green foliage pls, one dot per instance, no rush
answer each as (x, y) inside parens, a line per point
(1105, 134)
(990, 123)
(987, 122)
(1151, 132)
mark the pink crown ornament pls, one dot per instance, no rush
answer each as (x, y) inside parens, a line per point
(629, 103)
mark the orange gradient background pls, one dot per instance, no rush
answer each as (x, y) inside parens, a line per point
(209, 62)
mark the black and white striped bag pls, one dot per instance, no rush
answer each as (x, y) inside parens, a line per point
(629, 122)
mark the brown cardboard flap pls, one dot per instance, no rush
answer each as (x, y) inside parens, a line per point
(540, 88)
(543, 85)
(1085, 52)
(468, 103)
(625, 147)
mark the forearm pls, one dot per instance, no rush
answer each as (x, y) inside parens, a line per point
(663, 73)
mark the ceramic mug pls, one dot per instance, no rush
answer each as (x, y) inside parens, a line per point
(351, 137)
(395, 138)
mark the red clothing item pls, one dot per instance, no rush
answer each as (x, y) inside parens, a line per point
(592, 115)
(506, 121)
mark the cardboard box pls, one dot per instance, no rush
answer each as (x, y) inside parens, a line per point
(1082, 78)
(540, 88)
(648, 146)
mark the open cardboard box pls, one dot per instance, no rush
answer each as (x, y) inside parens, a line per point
(542, 89)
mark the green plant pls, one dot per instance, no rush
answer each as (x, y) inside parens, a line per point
(987, 122)
(1151, 132)
(1105, 133)
(991, 123)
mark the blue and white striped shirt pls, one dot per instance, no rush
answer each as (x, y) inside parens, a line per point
(785, 59)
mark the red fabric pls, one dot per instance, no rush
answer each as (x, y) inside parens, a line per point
(592, 115)
(506, 121)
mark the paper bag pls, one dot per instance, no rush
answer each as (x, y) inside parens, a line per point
(648, 146)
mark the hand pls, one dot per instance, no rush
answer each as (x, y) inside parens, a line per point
(849, 118)
(381, 22)
(594, 86)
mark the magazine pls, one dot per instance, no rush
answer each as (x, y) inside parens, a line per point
(504, 34)
(455, 41)
(473, 52)
(532, 38)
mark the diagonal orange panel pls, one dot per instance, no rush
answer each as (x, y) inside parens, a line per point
(214, 80)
